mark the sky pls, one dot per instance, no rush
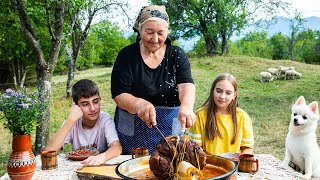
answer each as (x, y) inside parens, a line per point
(308, 8)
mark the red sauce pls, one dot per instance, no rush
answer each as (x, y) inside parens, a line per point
(210, 171)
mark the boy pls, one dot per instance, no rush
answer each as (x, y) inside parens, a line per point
(87, 127)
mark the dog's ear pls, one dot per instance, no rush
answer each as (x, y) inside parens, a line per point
(301, 101)
(314, 107)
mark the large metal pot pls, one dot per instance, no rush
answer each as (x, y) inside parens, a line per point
(130, 166)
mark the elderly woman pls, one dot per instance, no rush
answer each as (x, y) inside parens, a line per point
(151, 84)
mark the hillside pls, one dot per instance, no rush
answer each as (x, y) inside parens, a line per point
(268, 104)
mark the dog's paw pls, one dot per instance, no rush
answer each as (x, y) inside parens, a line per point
(284, 165)
(306, 176)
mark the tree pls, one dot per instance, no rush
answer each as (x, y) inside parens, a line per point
(81, 14)
(231, 17)
(112, 41)
(15, 55)
(90, 52)
(279, 43)
(102, 45)
(45, 62)
(190, 18)
(296, 26)
(309, 51)
(316, 48)
(215, 19)
(255, 44)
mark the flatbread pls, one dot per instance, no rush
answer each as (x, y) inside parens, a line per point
(98, 172)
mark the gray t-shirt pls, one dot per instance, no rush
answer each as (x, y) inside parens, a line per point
(99, 137)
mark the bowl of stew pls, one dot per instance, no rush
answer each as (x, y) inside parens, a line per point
(217, 168)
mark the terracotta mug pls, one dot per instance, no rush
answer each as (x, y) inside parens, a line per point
(139, 152)
(248, 164)
(49, 160)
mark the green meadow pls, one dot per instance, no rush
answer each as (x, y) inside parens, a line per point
(268, 104)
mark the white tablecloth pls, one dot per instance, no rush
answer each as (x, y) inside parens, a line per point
(269, 168)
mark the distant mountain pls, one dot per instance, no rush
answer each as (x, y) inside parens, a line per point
(282, 24)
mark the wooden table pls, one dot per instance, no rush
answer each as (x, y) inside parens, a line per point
(269, 168)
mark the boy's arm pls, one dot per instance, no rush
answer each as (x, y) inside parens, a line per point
(57, 140)
(114, 150)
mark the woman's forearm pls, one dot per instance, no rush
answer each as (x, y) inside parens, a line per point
(187, 93)
(129, 102)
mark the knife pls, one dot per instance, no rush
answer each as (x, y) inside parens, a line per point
(161, 135)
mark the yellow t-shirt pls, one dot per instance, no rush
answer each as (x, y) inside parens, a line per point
(225, 125)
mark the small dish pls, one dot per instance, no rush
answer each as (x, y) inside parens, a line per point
(231, 155)
(80, 155)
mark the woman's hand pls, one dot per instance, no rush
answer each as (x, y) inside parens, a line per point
(143, 108)
(186, 117)
(147, 113)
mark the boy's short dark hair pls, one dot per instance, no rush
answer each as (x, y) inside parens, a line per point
(84, 88)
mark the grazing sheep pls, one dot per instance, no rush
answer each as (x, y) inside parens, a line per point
(274, 71)
(291, 73)
(283, 70)
(266, 76)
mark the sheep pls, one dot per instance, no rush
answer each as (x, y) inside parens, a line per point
(266, 76)
(283, 70)
(274, 71)
(292, 74)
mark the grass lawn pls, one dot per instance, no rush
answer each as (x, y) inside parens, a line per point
(268, 104)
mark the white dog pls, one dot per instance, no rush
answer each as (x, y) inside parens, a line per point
(302, 148)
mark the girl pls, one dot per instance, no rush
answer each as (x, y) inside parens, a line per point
(221, 126)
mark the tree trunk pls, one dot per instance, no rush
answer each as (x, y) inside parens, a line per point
(44, 88)
(44, 68)
(212, 45)
(13, 71)
(73, 61)
(23, 77)
(224, 44)
(70, 77)
(18, 71)
(78, 39)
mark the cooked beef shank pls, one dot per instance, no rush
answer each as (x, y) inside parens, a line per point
(164, 160)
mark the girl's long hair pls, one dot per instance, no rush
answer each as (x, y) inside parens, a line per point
(212, 130)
